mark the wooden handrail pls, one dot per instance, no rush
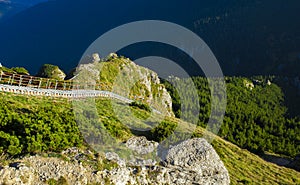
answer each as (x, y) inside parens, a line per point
(47, 83)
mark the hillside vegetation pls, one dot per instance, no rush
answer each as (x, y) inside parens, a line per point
(256, 115)
(122, 76)
(51, 71)
(15, 70)
(40, 124)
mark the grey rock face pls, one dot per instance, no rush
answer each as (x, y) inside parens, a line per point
(111, 156)
(23, 175)
(200, 160)
(61, 75)
(141, 145)
(191, 162)
(151, 91)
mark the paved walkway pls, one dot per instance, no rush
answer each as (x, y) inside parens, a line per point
(22, 84)
(61, 93)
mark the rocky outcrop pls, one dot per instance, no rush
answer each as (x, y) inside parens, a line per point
(191, 162)
(17, 175)
(141, 145)
(51, 71)
(122, 76)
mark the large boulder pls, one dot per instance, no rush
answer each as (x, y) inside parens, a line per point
(196, 161)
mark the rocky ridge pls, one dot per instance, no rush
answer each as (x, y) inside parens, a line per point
(191, 162)
(122, 76)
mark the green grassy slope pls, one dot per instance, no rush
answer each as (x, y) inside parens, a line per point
(39, 124)
(247, 168)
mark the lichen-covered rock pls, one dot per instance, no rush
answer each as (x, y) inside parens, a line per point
(111, 156)
(191, 162)
(141, 145)
(200, 160)
(22, 175)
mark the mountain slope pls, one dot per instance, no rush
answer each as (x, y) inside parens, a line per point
(243, 166)
(43, 124)
(125, 78)
(248, 37)
(247, 168)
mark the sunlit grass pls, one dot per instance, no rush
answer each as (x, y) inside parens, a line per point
(243, 166)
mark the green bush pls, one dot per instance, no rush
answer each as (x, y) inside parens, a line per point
(36, 125)
(20, 70)
(140, 106)
(163, 130)
(5, 69)
(50, 71)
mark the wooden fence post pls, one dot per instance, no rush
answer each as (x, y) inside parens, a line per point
(12, 81)
(9, 80)
(47, 83)
(20, 81)
(40, 83)
(30, 81)
(55, 84)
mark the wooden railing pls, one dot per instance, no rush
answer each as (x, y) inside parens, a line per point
(46, 83)
(36, 86)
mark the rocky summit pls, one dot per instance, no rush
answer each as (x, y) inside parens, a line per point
(193, 161)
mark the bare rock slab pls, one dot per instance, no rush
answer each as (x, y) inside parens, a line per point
(196, 161)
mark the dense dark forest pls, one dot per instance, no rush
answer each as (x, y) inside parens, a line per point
(256, 118)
